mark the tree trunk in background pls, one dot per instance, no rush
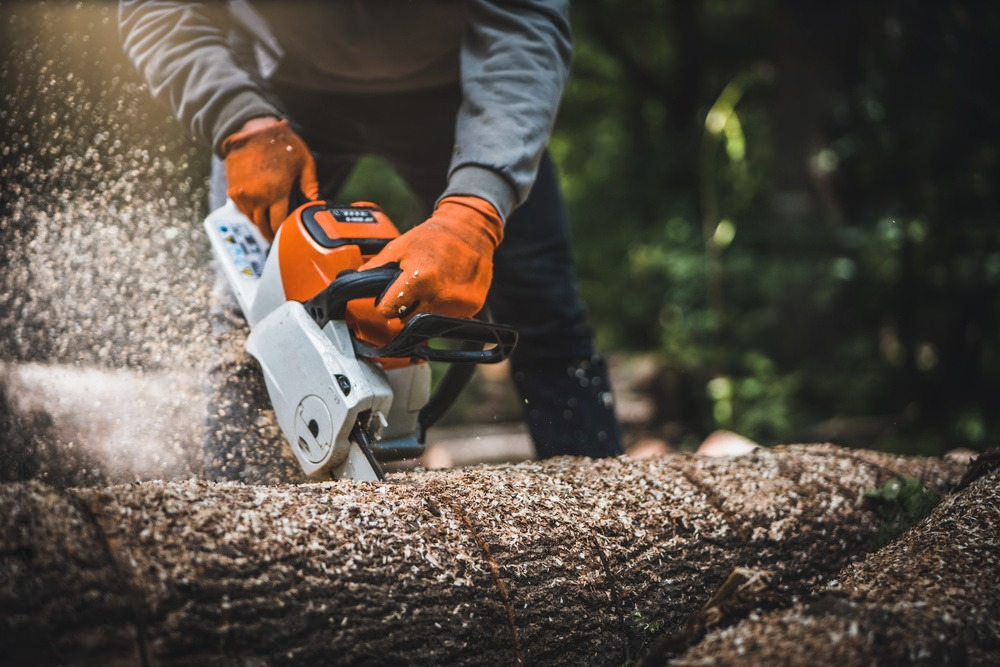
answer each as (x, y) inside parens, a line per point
(564, 561)
(932, 597)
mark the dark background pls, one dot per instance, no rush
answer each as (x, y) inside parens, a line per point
(790, 207)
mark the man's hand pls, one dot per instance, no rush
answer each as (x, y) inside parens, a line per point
(447, 261)
(264, 160)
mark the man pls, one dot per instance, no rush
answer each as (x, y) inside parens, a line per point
(460, 97)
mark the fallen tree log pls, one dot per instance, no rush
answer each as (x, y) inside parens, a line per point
(566, 561)
(931, 597)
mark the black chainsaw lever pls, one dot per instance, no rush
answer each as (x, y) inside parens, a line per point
(331, 302)
(483, 342)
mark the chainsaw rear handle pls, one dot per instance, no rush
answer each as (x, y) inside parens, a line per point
(413, 341)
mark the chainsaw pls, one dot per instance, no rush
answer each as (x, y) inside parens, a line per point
(350, 389)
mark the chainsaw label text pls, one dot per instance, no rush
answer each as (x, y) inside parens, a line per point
(353, 215)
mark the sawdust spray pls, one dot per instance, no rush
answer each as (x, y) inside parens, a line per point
(116, 362)
(104, 273)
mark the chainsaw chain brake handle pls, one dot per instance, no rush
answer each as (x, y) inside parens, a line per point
(414, 340)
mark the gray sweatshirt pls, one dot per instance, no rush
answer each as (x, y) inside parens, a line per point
(511, 58)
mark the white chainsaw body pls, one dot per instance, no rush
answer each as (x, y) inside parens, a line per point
(319, 388)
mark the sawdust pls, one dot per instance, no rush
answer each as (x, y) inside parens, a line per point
(105, 278)
(122, 420)
(103, 262)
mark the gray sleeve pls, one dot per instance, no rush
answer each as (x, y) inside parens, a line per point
(181, 50)
(515, 62)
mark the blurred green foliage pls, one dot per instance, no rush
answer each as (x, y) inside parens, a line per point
(792, 205)
(795, 207)
(900, 503)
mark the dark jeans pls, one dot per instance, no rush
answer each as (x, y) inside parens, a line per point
(563, 382)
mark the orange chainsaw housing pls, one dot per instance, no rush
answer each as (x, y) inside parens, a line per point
(319, 241)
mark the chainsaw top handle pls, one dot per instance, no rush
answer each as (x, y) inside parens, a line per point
(414, 340)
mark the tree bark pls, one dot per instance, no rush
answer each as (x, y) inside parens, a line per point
(567, 561)
(930, 598)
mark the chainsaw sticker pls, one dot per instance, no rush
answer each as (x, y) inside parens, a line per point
(247, 255)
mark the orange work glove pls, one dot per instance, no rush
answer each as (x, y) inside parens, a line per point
(447, 261)
(263, 161)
